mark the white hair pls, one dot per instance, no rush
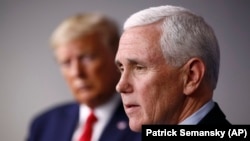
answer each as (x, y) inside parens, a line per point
(184, 35)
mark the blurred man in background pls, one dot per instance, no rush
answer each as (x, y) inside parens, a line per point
(84, 46)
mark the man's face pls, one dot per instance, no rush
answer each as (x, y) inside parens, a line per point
(89, 69)
(151, 90)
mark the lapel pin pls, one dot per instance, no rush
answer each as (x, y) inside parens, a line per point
(121, 125)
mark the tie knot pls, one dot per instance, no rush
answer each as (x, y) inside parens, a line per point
(86, 136)
(91, 118)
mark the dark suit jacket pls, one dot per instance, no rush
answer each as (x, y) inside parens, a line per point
(215, 117)
(60, 123)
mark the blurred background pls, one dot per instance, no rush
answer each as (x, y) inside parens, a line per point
(30, 81)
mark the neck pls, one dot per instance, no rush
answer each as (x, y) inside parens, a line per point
(194, 102)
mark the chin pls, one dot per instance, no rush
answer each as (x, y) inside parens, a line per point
(134, 125)
(82, 100)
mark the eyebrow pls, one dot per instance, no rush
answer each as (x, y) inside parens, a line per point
(118, 63)
(130, 61)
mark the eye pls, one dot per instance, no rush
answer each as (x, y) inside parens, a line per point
(65, 63)
(139, 67)
(87, 58)
(121, 68)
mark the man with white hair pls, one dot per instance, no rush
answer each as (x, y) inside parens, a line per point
(169, 62)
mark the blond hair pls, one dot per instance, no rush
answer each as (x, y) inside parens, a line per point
(84, 24)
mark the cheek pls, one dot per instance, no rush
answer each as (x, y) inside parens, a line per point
(105, 68)
(156, 93)
(95, 71)
(152, 104)
(67, 77)
(100, 75)
(70, 82)
(99, 67)
(148, 94)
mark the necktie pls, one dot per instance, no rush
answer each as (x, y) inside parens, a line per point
(88, 127)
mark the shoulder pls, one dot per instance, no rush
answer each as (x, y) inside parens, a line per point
(215, 116)
(55, 112)
(48, 123)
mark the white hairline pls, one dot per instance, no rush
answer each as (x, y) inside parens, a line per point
(148, 16)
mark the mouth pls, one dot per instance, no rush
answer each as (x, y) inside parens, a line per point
(81, 85)
(83, 88)
(131, 108)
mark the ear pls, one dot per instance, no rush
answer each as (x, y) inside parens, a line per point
(194, 71)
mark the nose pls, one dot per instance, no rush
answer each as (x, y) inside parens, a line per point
(76, 69)
(124, 86)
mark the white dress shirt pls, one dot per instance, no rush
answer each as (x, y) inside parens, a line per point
(103, 114)
(196, 117)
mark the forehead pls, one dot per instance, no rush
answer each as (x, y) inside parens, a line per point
(81, 40)
(86, 44)
(140, 42)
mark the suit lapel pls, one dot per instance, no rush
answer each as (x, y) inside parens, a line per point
(68, 123)
(117, 126)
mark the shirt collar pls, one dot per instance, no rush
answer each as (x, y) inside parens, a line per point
(196, 117)
(102, 112)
